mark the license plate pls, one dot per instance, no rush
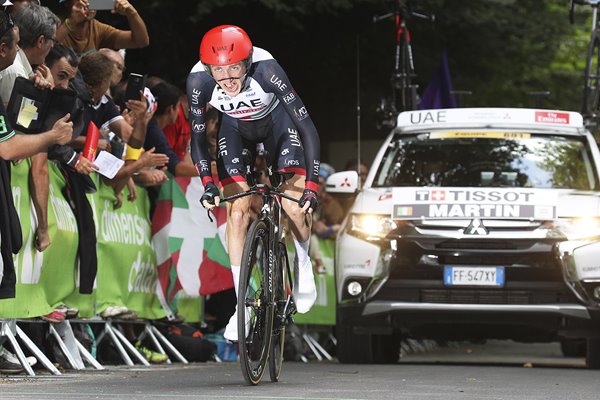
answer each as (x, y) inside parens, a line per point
(473, 276)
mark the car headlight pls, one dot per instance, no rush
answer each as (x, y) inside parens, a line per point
(371, 226)
(579, 227)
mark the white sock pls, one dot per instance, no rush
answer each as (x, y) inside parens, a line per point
(305, 292)
(302, 251)
(231, 328)
(235, 273)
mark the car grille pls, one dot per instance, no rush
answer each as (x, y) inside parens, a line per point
(555, 295)
(532, 274)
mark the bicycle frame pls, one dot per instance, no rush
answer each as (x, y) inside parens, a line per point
(277, 304)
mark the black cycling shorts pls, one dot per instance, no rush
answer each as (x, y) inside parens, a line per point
(276, 131)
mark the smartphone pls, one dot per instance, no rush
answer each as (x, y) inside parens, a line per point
(135, 84)
(102, 4)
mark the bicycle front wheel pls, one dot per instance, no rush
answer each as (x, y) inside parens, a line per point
(255, 304)
(591, 89)
(282, 289)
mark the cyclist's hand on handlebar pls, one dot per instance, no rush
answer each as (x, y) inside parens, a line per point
(309, 201)
(210, 199)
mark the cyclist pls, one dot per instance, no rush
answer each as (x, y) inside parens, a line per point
(258, 104)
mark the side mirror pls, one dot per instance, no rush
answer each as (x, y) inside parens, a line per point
(342, 182)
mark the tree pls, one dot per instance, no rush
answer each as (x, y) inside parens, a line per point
(498, 49)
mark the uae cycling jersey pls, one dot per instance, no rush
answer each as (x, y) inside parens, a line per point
(266, 91)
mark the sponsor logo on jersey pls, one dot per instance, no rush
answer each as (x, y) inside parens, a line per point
(254, 103)
(235, 160)
(301, 113)
(289, 162)
(197, 111)
(294, 139)
(198, 128)
(316, 166)
(285, 151)
(222, 145)
(232, 171)
(203, 165)
(275, 80)
(196, 96)
(289, 98)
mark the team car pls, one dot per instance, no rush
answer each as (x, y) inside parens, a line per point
(472, 224)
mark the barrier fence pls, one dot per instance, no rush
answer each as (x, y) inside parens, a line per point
(156, 268)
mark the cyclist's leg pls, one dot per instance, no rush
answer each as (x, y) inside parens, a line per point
(231, 175)
(287, 154)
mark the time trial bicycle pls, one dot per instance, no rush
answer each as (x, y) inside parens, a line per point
(265, 302)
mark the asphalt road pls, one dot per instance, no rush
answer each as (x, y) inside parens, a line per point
(496, 370)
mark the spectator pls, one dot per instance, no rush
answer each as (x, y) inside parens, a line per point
(346, 200)
(15, 146)
(37, 28)
(63, 64)
(178, 133)
(360, 167)
(137, 162)
(18, 4)
(96, 70)
(168, 101)
(118, 65)
(83, 32)
(329, 214)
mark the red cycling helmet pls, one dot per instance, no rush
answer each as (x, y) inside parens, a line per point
(224, 45)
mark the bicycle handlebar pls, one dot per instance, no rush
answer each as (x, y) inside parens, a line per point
(261, 189)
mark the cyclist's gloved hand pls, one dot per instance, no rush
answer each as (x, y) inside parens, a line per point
(309, 200)
(210, 199)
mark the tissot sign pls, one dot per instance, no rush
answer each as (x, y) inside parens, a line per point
(504, 203)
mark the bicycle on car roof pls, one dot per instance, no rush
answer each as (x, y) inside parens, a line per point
(404, 89)
(591, 78)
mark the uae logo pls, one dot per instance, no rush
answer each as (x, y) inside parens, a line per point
(476, 227)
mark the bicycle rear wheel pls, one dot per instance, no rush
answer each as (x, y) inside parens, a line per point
(591, 90)
(282, 288)
(255, 304)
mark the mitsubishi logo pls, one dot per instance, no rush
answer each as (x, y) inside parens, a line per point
(476, 227)
(346, 183)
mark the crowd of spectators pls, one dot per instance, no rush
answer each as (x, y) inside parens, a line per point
(151, 134)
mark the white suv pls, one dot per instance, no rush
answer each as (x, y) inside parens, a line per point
(473, 224)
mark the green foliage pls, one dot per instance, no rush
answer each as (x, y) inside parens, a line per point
(498, 49)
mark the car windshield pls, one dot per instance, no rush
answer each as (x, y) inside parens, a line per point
(488, 159)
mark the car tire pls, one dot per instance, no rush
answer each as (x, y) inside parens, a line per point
(386, 348)
(355, 348)
(573, 347)
(592, 354)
